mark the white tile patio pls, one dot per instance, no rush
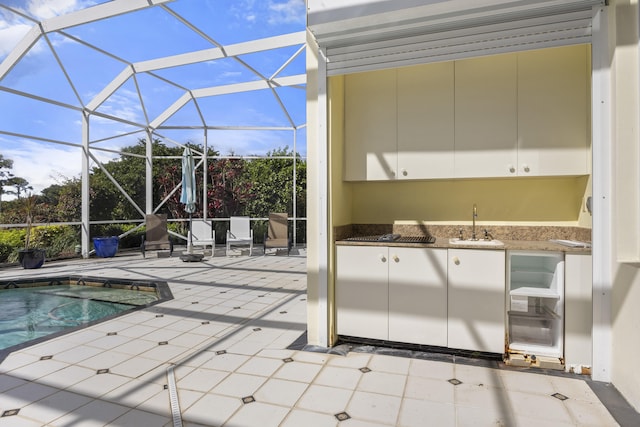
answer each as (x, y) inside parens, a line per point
(226, 333)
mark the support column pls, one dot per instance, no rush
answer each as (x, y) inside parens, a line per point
(295, 187)
(149, 173)
(205, 175)
(85, 187)
(323, 205)
(603, 232)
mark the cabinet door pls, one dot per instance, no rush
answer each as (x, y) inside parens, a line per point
(425, 121)
(418, 296)
(370, 126)
(476, 300)
(553, 111)
(486, 116)
(362, 291)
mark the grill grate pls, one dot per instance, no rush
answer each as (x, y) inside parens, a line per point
(401, 239)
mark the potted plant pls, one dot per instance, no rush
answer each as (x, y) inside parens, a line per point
(30, 257)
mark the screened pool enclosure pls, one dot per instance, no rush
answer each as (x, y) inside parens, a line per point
(77, 86)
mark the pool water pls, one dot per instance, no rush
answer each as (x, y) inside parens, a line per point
(30, 313)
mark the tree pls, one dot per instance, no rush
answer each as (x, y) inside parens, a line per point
(64, 200)
(229, 191)
(272, 180)
(21, 186)
(8, 179)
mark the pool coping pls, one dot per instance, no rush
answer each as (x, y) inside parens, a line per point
(162, 288)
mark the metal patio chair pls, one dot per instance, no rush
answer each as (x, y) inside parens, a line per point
(157, 235)
(277, 235)
(202, 234)
(240, 233)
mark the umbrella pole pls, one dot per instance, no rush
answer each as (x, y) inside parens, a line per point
(190, 242)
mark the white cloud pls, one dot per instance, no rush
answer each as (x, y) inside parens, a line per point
(13, 27)
(10, 35)
(42, 164)
(289, 12)
(274, 12)
(45, 9)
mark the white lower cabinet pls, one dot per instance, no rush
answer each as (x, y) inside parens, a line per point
(392, 293)
(418, 296)
(362, 291)
(476, 300)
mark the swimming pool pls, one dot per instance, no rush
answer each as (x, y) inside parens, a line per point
(31, 310)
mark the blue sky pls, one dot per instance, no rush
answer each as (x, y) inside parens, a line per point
(131, 38)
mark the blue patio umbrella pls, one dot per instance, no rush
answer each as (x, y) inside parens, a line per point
(188, 196)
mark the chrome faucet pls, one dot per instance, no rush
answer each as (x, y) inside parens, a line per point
(474, 216)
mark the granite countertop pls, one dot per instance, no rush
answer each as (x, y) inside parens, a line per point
(521, 238)
(443, 243)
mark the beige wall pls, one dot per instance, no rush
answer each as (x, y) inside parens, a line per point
(626, 284)
(553, 201)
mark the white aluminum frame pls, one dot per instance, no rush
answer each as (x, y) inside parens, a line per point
(131, 71)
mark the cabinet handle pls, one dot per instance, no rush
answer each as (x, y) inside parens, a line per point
(525, 168)
(512, 169)
(395, 258)
(404, 172)
(456, 260)
(382, 258)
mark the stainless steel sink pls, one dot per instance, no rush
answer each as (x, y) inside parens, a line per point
(481, 242)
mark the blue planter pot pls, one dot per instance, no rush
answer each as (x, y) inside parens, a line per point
(106, 247)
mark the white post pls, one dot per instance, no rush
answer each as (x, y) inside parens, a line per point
(149, 173)
(602, 232)
(85, 187)
(323, 205)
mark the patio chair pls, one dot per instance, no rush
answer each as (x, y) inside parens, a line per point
(202, 234)
(240, 233)
(157, 235)
(277, 235)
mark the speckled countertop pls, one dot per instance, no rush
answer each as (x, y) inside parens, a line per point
(526, 238)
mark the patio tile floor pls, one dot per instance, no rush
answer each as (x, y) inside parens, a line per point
(228, 333)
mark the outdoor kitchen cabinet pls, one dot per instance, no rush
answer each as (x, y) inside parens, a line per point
(553, 111)
(486, 116)
(370, 126)
(509, 115)
(476, 300)
(425, 121)
(399, 123)
(392, 293)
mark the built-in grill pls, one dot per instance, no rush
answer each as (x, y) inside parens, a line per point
(396, 238)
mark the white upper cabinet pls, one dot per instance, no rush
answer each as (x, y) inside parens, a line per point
(486, 116)
(553, 111)
(518, 114)
(425, 121)
(370, 126)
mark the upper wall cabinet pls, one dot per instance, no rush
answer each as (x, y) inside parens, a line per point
(519, 114)
(425, 121)
(399, 123)
(553, 111)
(370, 126)
(486, 130)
